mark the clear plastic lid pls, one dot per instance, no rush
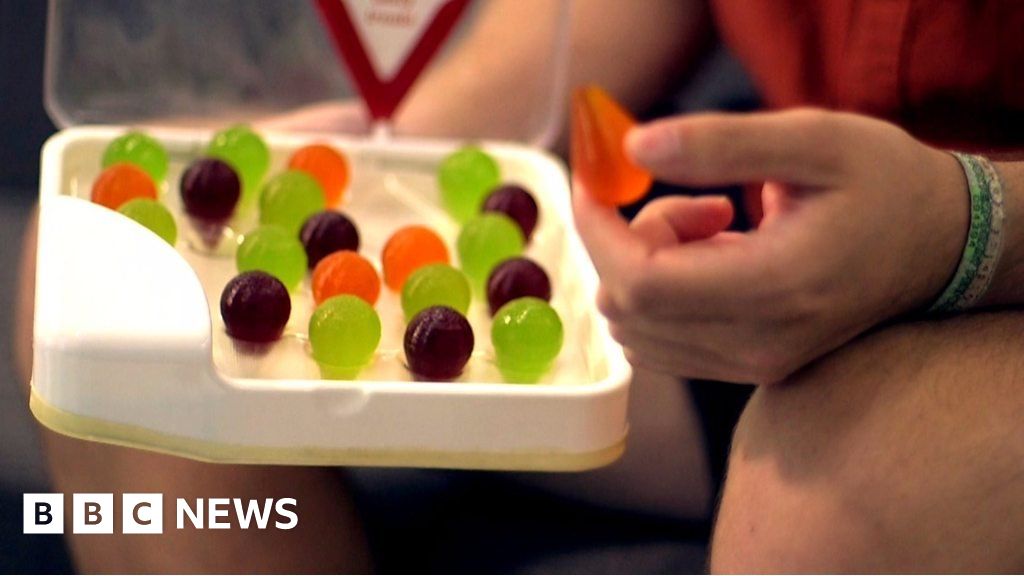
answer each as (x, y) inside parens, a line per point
(297, 65)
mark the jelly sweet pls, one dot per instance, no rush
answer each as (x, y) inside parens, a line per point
(438, 343)
(289, 199)
(517, 203)
(246, 152)
(140, 150)
(344, 333)
(435, 285)
(275, 251)
(485, 241)
(327, 232)
(327, 165)
(255, 307)
(516, 278)
(120, 183)
(210, 189)
(408, 249)
(527, 337)
(152, 215)
(465, 177)
(599, 163)
(345, 272)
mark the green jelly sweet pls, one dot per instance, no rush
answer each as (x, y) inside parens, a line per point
(527, 336)
(152, 215)
(466, 177)
(344, 332)
(485, 241)
(435, 285)
(274, 251)
(247, 153)
(140, 150)
(289, 199)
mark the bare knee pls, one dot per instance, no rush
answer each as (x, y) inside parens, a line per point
(898, 452)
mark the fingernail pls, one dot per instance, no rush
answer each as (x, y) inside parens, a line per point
(652, 144)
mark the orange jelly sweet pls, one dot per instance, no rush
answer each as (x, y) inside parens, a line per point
(599, 163)
(409, 249)
(327, 166)
(120, 183)
(345, 272)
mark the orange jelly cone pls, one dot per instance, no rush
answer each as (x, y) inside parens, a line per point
(599, 164)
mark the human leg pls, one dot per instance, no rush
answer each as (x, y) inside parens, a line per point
(902, 451)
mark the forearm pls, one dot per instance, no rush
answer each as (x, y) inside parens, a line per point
(637, 50)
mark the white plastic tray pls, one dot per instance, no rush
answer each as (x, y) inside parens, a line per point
(130, 348)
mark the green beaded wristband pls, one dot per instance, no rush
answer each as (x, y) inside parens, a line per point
(984, 237)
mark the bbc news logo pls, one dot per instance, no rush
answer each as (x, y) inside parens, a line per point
(144, 513)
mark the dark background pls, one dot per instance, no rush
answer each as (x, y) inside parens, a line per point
(24, 127)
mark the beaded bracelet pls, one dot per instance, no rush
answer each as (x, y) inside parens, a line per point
(984, 237)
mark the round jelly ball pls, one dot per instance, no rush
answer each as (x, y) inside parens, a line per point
(210, 190)
(438, 343)
(527, 337)
(272, 250)
(140, 150)
(517, 203)
(246, 152)
(327, 232)
(327, 165)
(344, 332)
(121, 183)
(435, 285)
(345, 272)
(255, 307)
(465, 178)
(152, 215)
(289, 199)
(485, 241)
(516, 278)
(407, 250)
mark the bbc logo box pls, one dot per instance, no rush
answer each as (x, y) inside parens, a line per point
(93, 514)
(43, 514)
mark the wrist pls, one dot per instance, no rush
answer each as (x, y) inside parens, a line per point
(945, 211)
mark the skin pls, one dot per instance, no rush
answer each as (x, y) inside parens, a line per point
(874, 443)
(900, 452)
(829, 259)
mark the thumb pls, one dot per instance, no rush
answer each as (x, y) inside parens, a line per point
(796, 147)
(672, 220)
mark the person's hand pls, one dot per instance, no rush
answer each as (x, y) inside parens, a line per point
(861, 223)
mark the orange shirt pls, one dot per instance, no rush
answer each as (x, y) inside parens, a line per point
(949, 71)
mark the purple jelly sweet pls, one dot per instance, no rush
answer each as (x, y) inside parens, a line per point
(255, 307)
(438, 343)
(516, 278)
(515, 202)
(210, 189)
(327, 232)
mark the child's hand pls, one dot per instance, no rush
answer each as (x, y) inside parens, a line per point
(862, 223)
